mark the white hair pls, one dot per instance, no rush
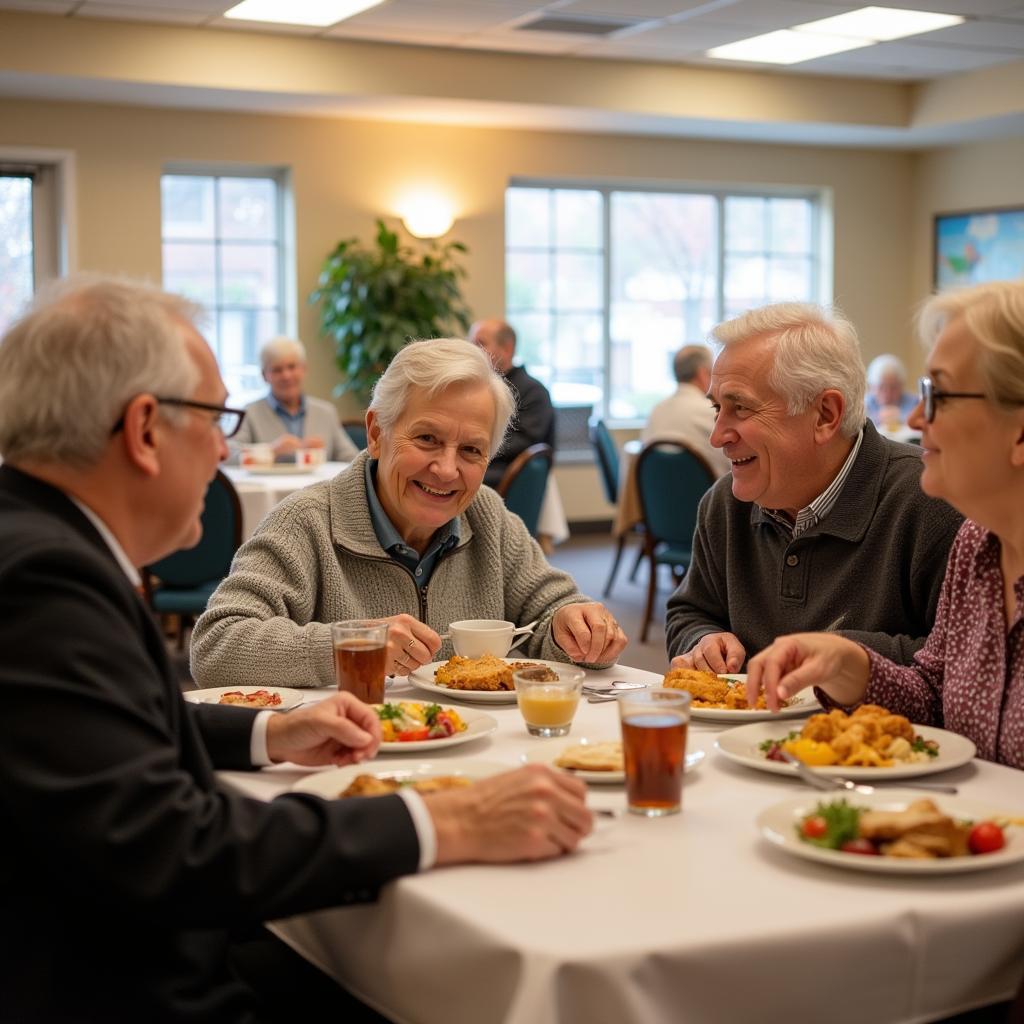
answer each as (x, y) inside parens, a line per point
(435, 365)
(84, 348)
(815, 349)
(884, 366)
(278, 348)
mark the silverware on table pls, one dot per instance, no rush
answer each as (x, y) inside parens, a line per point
(834, 782)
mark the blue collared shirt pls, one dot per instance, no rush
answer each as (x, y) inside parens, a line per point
(293, 422)
(444, 539)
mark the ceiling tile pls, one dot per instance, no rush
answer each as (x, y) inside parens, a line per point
(163, 14)
(38, 6)
(681, 39)
(968, 8)
(271, 28)
(1005, 35)
(381, 34)
(637, 9)
(928, 60)
(521, 42)
(460, 18)
(207, 6)
(765, 15)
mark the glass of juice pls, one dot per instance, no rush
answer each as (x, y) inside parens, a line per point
(654, 725)
(360, 654)
(548, 697)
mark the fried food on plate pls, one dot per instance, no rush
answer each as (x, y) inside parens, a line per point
(372, 785)
(710, 691)
(483, 673)
(256, 699)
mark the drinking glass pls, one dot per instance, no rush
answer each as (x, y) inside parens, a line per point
(654, 724)
(360, 655)
(548, 704)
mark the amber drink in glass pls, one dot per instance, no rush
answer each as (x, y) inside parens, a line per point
(654, 724)
(360, 656)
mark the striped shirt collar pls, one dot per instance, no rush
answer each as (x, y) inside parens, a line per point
(820, 507)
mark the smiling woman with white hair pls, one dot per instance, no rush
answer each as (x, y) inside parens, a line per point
(405, 534)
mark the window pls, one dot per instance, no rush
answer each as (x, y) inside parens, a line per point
(223, 247)
(17, 274)
(603, 285)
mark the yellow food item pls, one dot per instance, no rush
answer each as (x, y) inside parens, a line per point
(483, 673)
(709, 691)
(811, 751)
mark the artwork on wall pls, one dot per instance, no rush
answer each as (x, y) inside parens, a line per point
(983, 245)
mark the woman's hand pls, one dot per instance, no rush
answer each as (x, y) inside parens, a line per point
(338, 730)
(411, 643)
(588, 633)
(839, 666)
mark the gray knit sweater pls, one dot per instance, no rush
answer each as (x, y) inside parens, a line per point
(315, 559)
(872, 570)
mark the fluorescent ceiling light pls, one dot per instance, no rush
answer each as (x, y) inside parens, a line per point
(786, 47)
(880, 24)
(299, 12)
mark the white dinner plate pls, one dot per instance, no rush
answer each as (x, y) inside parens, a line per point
(423, 677)
(548, 755)
(804, 703)
(742, 746)
(280, 469)
(331, 783)
(477, 725)
(778, 824)
(289, 698)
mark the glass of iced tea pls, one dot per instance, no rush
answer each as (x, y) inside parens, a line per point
(360, 654)
(547, 698)
(654, 748)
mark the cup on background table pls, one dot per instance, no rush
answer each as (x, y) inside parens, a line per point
(654, 724)
(360, 655)
(473, 638)
(256, 455)
(310, 457)
(548, 704)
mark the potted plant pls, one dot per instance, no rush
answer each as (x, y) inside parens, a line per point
(375, 300)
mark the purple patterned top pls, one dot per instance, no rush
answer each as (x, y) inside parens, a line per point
(969, 676)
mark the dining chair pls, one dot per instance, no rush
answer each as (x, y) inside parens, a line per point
(608, 467)
(524, 482)
(356, 430)
(181, 583)
(671, 479)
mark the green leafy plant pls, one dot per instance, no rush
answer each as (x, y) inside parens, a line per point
(373, 301)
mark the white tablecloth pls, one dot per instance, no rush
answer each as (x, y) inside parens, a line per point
(260, 492)
(691, 918)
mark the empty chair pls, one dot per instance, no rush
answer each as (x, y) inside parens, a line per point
(608, 465)
(182, 583)
(671, 479)
(356, 430)
(524, 483)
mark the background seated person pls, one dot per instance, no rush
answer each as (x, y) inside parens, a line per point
(687, 415)
(821, 524)
(287, 419)
(406, 533)
(888, 403)
(534, 418)
(969, 676)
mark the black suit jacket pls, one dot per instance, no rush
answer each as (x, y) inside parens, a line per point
(533, 423)
(124, 864)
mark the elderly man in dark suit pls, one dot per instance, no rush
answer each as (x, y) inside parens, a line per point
(128, 871)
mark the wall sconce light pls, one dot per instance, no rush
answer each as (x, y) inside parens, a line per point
(426, 214)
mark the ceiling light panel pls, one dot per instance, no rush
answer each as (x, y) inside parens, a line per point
(881, 24)
(299, 12)
(786, 47)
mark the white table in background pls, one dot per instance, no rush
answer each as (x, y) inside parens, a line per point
(691, 918)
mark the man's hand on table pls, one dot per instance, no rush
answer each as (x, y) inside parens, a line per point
(588, 633)
(715, 652)
(339, 730)
(286, 444)
(531, 813)
(411, 643)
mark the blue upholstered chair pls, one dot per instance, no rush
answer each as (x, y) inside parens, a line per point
(608, 466)
(181, 583)
(524, 482)
(671, 479)
(356, 430)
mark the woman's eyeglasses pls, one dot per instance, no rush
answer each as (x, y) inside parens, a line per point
(930, 396)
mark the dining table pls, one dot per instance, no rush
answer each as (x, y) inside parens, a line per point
(693, 917)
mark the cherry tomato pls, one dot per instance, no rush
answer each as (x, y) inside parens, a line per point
(444, 721)
(814, 827)
(986, 837)
(859, 845)
(411, 735)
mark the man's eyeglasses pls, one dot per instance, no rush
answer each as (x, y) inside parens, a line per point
(930, 396)
(229, 420)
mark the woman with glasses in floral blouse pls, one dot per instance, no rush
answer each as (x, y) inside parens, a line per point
(969, 676)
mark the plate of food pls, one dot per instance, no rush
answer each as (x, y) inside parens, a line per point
(896, 832)
(485, 680)
(272, 698)
(722, 698)
(872, 743)
(409, 726)
(278, 469)
(378, 780)
(595, 761)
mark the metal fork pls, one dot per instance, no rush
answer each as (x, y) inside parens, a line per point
(833, 782)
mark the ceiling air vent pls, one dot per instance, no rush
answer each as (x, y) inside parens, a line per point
(576, 26)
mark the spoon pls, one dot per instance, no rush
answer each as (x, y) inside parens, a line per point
(615, 684)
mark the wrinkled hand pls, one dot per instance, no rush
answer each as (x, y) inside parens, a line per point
(716, 652)
(338, 730)
(529, 814)
(411, 643)
(286, 444)
(588, 633)
(839, 666)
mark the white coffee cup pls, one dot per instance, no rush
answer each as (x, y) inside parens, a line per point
(310, 456)
(473, 638)
(257, 455)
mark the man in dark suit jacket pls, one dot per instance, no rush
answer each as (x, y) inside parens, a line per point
(126, 868)
(534, 421)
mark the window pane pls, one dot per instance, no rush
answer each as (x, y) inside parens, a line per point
(745, 281)
(527, 216)
(578, 281)
(533, 340)
(790, 225)
(577, 219)
(249, 275)
(789, 280)
(247, 208)
(16, 272)
(528, 280)
(242, 332)
(187, 206)
(745, 224)
(190, 270)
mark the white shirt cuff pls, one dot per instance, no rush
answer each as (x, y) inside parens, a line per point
(258, 753)
(424, 825)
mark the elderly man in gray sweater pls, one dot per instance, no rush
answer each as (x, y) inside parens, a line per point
(822, 524)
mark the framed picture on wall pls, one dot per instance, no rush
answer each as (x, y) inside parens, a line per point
(979, 245)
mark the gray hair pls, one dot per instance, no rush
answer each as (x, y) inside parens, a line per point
(994, 314)
(84, 348)
(816, 348)
(688, 361)
(435, 365)
(885, 366)
(281, 346)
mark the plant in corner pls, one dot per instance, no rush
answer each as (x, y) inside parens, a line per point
(375, 300)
